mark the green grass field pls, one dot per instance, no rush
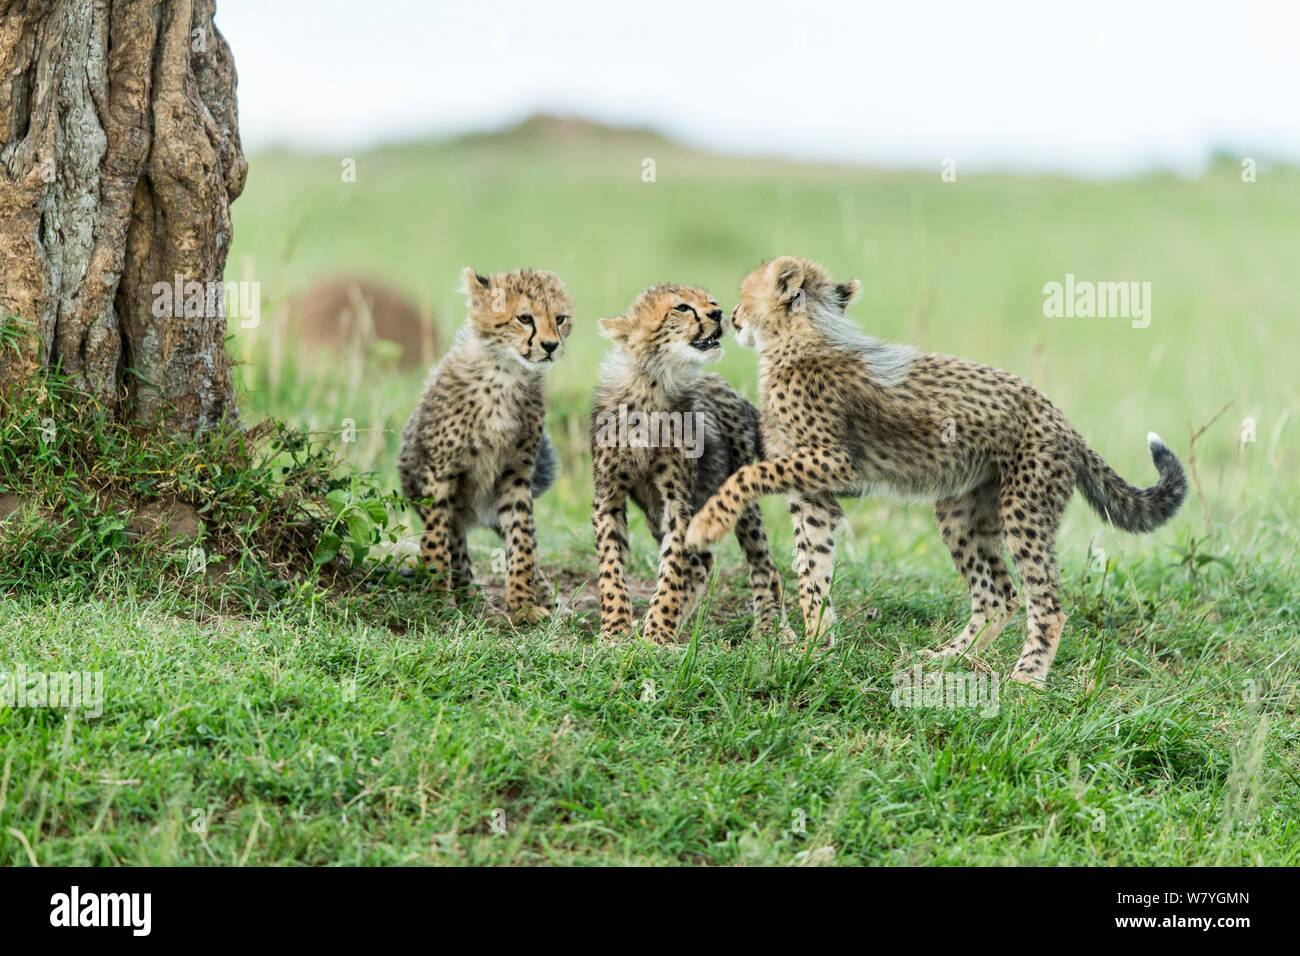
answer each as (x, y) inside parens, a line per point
(372, 725)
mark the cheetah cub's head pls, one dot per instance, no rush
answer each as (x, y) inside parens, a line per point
(669, 327)
(786, 296)
(525, 314)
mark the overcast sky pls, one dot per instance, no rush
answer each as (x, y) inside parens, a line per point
(1097, 88)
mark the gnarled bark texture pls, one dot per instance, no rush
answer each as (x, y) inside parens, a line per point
(121, 157)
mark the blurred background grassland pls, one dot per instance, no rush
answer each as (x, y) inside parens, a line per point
(953, 267)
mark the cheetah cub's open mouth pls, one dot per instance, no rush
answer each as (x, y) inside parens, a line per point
(708, 342)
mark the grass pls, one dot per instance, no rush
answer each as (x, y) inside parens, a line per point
(307, 736)
(351, 719)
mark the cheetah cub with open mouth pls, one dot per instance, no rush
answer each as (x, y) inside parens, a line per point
(846, 414)
(474, 452)
(667, 433)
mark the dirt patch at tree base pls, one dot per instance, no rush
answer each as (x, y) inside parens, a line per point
(169, 520)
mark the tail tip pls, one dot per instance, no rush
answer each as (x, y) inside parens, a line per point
(1155, 442)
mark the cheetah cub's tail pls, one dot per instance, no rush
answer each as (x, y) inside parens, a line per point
(1123, 505)
(545, 467)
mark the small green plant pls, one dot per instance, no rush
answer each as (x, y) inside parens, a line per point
(1196, 561)
(361, 520)
(270, 500)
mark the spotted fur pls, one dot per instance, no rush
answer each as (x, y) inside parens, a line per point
(474, 451)
(845, 414)
(661, 343)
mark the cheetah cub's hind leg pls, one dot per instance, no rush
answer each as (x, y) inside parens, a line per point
(764, 581)
(1031, 503)
(443, 550)
(698, 569)
(462, 572)
(972, 530)
(543, 587)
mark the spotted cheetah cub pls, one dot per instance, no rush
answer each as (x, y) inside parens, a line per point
(845, 414)
(474, 452)
(666, 433)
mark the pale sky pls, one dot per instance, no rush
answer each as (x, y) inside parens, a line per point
(1095, 88)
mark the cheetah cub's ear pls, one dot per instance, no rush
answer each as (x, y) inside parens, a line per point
(790, 276)
(474, 286)
(796, 281)
(846, 292)
(618, 329)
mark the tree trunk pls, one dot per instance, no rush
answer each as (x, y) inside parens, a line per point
(121, 157)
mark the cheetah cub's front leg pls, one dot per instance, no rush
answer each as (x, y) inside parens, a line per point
(814, 518)
(515, 516)
(678, 584)
(609, 518)
(816, 474)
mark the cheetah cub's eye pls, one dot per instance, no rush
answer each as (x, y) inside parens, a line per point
(560, 320)
(524, 319)
(683, 307)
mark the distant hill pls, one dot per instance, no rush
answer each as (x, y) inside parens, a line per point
(564, 130)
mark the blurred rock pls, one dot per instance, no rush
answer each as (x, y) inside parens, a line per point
(344, 315)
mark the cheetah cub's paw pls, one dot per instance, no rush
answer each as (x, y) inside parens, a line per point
(769, 625)
(530, 614)
(820, 633)
(1036, 681)
(942, 653)
(615, 631)
(786, 635)
(707, 528)
(657, 633)
(544, 591)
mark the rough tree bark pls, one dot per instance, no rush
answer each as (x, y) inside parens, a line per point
(121, 157)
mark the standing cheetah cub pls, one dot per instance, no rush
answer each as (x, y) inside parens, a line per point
(845, 414)
(667, 433)
(474, 452)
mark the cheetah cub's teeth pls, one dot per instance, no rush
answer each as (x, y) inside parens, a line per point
(707, 342)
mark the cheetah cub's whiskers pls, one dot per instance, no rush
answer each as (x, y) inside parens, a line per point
(846, 414)
(474, 452)
(691, 430)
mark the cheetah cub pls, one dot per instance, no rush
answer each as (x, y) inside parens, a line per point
(845, 414)
(667, 433)
(474, 452)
